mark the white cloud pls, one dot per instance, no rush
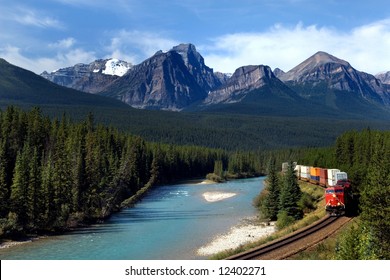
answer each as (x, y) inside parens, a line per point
(135, 46)
(61, 59)
(31, 17)
(63, 44)
(365, 47)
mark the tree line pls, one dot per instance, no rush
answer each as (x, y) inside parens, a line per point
(56, 174)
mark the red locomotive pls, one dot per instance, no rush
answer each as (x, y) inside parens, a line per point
(336, 197)
(338, 187)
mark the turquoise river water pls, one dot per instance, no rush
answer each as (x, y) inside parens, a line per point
(171, 222)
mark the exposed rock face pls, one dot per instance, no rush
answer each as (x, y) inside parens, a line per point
(384, 77)
(244, 79)
(279, 73)
(336, 74)
(160, 82)
(167, 81)
(203, 75)
(222, 77)
(93, 78)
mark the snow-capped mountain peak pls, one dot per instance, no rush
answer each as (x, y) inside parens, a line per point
(116, 67)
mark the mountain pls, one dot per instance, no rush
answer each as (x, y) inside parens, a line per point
(92, 78)
(323, 72)
(255, 90)
(169, 80)
(179, 80)
(244, 80)
(24, 88)
(203, 75)
(384, 77)
(261, 120)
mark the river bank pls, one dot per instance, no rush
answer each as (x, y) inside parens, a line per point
(248, 231)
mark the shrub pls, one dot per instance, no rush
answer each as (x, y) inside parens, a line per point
(284, 220)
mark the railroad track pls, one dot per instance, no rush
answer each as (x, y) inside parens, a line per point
(298, 236)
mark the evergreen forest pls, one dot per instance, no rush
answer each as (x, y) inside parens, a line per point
(57, 174)
(365, 156)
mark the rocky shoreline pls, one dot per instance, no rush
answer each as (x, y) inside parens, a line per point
(250, 230)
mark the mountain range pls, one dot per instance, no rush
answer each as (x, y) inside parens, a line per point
(253, 108)
(179, 80)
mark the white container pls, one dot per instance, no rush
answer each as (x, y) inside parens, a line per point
(305, 173)
(297, 170)
(332, 180)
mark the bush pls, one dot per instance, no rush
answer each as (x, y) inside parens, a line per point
(306, 203)
(284, 220)
(215, 178)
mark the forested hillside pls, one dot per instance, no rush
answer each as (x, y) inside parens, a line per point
(365, 156)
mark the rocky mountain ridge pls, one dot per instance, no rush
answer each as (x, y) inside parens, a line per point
(92, 78)
(336, 74)
(179, 78)
(244, 79)
(160, 82)
(384, 77)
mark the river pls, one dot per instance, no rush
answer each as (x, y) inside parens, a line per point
(171, 222)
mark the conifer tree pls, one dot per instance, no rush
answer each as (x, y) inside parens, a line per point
(4, 187)
(19, 189)
(375, 197)
(35, 194)
(218, 168)
(290, 194)
(270, 205)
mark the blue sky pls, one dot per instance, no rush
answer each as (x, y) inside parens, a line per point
(49, 34)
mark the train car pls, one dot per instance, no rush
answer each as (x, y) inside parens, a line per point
(335, 200)
(338, 195)
(323, 177)
(335, 175)
(297, 170)
(315, 175)
(305, 173)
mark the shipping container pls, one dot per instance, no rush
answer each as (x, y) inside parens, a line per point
(323, 176)
(297, 170)
(315, 175)
(305, 173)
(332, 181)
(286, 164)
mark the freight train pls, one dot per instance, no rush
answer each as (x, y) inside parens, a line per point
(336, 183)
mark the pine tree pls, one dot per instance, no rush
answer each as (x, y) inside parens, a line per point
(35, 193)
(290, 194)
(49, 211)
(270, 206)
(156, 167)
(20, 203)
(375, 197)
(218, 168)
(4, 187)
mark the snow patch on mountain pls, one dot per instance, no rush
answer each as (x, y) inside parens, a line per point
(116, 67)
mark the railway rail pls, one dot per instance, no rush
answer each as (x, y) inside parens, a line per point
(299, 240)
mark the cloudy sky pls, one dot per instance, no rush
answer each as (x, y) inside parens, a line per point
(49, 34)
